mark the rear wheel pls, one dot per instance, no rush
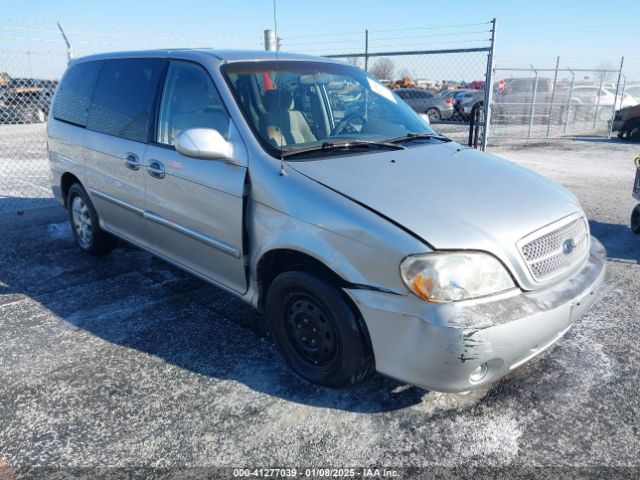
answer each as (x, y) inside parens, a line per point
(567, 115)
(635, 220)
(320, 336)
(433, 114)
(85, 224)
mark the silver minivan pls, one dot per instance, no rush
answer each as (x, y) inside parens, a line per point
(311, 191)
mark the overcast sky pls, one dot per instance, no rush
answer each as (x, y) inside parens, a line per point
(584, 33)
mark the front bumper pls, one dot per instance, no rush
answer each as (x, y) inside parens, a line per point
(439, 346)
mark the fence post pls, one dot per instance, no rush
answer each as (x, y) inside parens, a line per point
(488, 88)
(553, 94)
(66, 41)
(615, 100)
(533, 101)
(566, 117)
(595, 115)
(366, 50)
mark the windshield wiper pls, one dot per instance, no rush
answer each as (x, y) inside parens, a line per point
(418, 136)
(342, 145)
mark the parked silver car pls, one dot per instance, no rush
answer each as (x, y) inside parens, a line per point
(369, 240)
(423, 101)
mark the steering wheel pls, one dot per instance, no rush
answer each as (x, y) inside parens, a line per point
(346, 122)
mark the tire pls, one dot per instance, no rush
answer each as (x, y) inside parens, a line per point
(630, 130)
(635, 220)
(433, 114)
(604, 114)
(85, 224)
(320, 336)
(564, 113)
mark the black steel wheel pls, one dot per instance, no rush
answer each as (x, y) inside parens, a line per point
(310, 331)
(635, 220)
(321, 336)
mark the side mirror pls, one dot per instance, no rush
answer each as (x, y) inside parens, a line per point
(204, 143)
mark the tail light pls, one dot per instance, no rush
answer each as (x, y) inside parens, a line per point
(449, 101)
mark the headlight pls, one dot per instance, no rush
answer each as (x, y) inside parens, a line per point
(453, 276)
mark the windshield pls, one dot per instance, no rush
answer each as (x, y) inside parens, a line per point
(296, 105)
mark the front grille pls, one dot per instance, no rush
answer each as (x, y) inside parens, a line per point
(555, 251)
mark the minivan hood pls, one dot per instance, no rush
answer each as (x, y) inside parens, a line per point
(451, 196)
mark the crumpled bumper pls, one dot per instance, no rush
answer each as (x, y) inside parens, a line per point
(440, 346)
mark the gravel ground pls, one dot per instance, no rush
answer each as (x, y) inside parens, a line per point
(124, 361)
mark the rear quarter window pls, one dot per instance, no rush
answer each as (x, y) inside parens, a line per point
(124, 96)
(74, 93)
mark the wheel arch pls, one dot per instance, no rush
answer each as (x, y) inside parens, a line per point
(280, 260)
(66, 180)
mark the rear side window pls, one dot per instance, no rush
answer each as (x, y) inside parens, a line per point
(123, 97)
(74, 94)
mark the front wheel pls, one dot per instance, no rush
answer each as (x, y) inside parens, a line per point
(85, 224)
(635, 220)
(319, 334)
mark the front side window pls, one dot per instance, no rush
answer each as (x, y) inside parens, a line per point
(74, 94)
(189, 100)
(123, 97)
(292, 104)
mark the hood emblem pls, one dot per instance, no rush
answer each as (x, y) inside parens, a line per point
(568, 246)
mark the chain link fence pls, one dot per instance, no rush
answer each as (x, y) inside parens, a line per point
(440, 71)
(27, 83)
(536, 103)
(425, 81)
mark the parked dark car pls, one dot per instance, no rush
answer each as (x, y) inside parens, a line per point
(424, 101)
(464, 101)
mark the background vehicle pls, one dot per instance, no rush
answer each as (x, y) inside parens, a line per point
(626, 122)
(26, 100)
(634, 91)
(423, 101)
(465, 101)
(588, 96)
(518, 99)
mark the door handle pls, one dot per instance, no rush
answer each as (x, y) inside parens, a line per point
(156, 169)
(131, 161)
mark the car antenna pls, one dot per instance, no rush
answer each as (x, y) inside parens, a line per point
(275, 31)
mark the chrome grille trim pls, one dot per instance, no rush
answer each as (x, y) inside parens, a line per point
(546, 251)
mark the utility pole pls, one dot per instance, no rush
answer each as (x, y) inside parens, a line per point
(66, 40)
(269, 40)
(366, 50)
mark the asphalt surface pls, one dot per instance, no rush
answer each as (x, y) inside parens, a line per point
(124, 361)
